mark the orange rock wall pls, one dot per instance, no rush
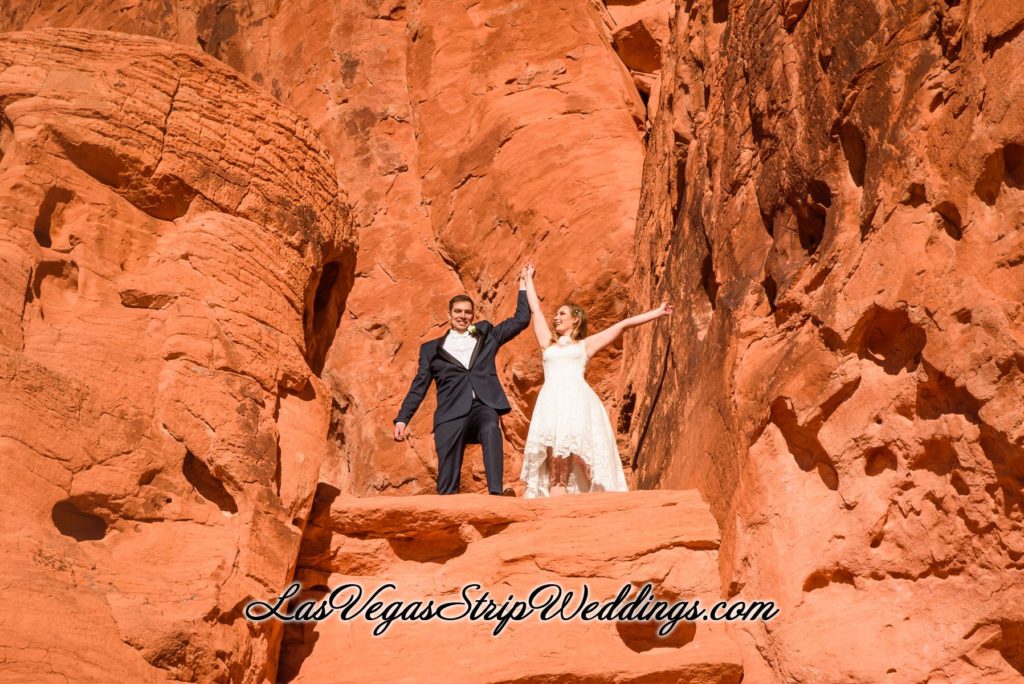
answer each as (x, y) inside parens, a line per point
(468, 137)
(161, 306)
(192, 339)
(833, 193)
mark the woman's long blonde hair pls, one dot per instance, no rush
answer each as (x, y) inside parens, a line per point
(579, 329)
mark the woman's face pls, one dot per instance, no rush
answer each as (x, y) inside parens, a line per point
(564, 321)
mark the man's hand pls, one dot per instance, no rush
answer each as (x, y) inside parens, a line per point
(399, 432)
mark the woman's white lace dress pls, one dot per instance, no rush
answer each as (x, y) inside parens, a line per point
(570, 419)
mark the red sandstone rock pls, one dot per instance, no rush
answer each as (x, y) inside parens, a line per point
(165, 227)
(452, 185)
(430, 547)
(832, 193)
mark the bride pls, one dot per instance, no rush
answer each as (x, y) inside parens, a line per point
(570, 447)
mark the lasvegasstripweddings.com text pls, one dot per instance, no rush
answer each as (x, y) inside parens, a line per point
(548, 601)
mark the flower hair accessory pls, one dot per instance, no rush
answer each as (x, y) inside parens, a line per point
(472, 330)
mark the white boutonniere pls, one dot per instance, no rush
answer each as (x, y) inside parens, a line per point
(472, 330)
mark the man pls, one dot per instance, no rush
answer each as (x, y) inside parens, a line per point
(469, 396)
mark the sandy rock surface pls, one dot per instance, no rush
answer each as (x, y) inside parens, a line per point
(432, 547)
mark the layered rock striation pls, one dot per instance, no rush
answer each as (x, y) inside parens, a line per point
(169, 279)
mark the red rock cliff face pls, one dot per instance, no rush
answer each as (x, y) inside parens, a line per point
(166, 231)
(191, 340)
(834, 192)
(468, 137)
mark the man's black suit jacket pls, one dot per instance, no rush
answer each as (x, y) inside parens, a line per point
(455, 382)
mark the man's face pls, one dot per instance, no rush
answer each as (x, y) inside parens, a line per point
(461, 315)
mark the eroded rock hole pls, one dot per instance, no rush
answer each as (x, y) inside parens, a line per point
(949, 217)
(802, 442)
(681, 148)
(888, 338)
(825, 59)
(938, 456)
(771, 291)
(277, 468)
(439, 546)
(811, 213)
(55, 285)
(1013, 164)
(855, 151)
(6, 135)
(1007, 460)
(73, 522)
(939, 395)
(1011, 644)
(792, 12)
(626, 412)
(719, 11)
(708, 280)
(757, 123)
(170, 199)
(767, 220)
(165, 197)
(916, 195)
(207, 484)
(50, 210)
(819, 579)
(326, 295)
(100, 162)
(643, 636)
(645, 97)
(878, 461)
(1004, 167)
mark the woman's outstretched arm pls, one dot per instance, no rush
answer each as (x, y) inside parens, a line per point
(540, 325)
(598, 341)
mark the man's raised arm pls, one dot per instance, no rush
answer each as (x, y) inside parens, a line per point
(511, 327)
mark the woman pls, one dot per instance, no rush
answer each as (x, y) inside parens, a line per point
(571, 447)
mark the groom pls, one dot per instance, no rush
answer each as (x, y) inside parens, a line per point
(469, 396)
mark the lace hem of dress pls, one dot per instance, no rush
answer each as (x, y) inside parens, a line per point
(595, 477)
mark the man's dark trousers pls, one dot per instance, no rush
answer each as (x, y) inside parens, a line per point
(480, 426)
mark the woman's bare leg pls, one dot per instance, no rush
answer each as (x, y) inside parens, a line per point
(582, 470)
(558, 478)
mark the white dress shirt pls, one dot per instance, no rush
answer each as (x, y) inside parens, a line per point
(460, 345)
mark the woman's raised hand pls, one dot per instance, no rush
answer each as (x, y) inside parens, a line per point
(529, 269)
(665, 309)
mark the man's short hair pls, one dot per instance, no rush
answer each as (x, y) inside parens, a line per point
(460, 298)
